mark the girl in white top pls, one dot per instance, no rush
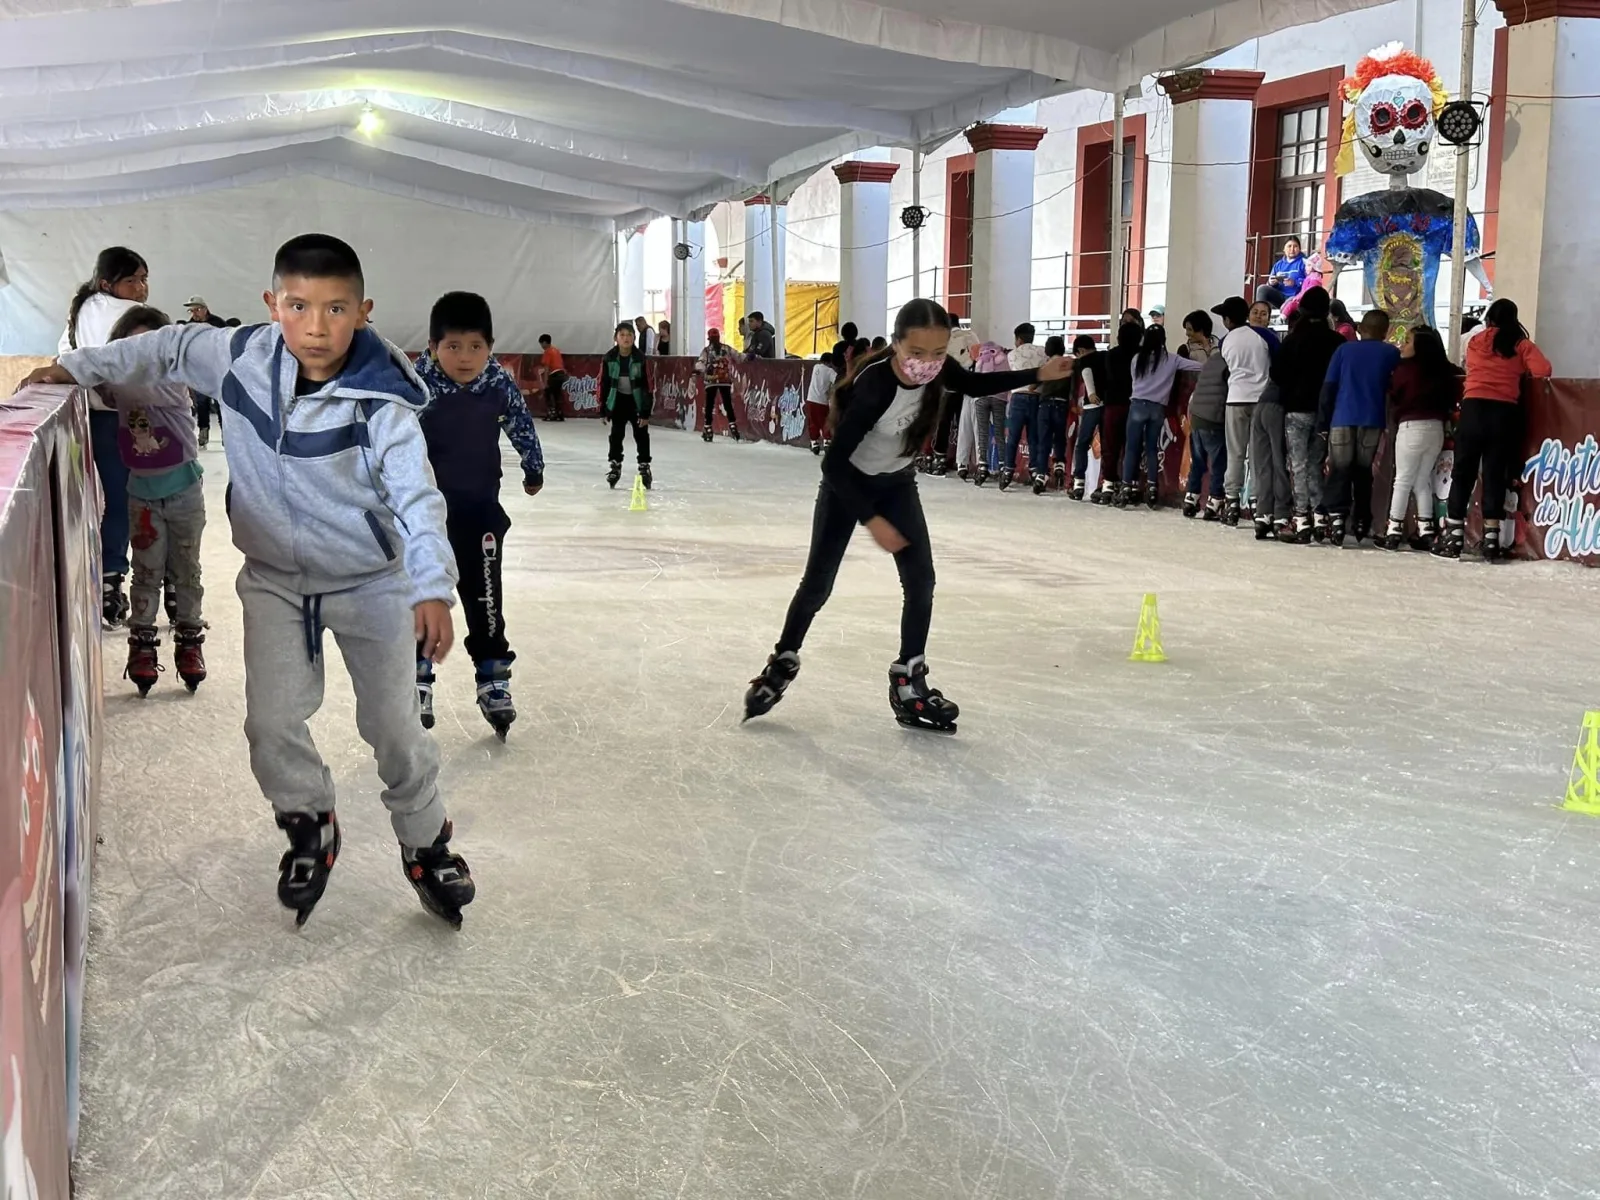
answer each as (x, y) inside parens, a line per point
(121, 281)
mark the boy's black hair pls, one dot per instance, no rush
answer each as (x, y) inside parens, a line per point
(826, 359)
(848, 332)
(1055, 345)
(755, 316)
(318, 256)
(1200, 321)
(878, 343)
(1083, 342)
(1375, 325)
(460, 312)
(544, 339)
(624, 327)
(140, 316)
(1024, 333)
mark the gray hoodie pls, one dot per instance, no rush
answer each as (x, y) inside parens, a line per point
(324, 486)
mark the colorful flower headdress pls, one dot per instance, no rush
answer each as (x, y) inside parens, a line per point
(1390, 59)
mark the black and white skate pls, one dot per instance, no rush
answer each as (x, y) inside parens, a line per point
(305, 866)
(1040, 482)
(425, 691)
(767, 688)
(1337, 529)
(644, 474)
(442, 879)
(1077, 489)
(613, 474)
(1230, 513)
(1191, 505)
(1005, 480)
(915, 704)
(114, 605)
(1424, 538)
(707, 435)
(494, 696)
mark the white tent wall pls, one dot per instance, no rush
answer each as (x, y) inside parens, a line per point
(537, 278)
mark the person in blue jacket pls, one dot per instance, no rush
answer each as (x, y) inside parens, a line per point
(1353, 414)
(1287, 278)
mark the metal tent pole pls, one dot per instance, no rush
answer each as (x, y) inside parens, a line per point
(916, 232)
(1458, 238)
(779, 292)
(1115, 297)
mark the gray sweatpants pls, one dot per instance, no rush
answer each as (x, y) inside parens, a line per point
(1308, 451)
(165, 539)
(1273, 500)
(283, 677)
(1237, 425)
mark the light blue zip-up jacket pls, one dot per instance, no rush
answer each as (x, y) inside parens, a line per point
(323, 487)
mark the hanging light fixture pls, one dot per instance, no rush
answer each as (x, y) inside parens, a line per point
(369, 123)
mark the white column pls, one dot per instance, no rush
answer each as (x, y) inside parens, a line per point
(1002, 227)
(630, 294)
(864, 244)
(1548, 256)
(759, 294)
(1213, 119)
(691, 334)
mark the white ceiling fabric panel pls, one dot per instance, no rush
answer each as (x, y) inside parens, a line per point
(596, 114)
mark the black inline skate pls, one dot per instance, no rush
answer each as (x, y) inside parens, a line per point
(1152, 496)
(1040, 482)
(1191, 505)
(425, 691)
(1005, 480)
(1213, 510)
(708, 435)
(189, 658)
(442, 878)
(915, 704)
(144, 666)
(1230, 512)
(1392, 536)
(1077, 489)
(1319, 526)
(613, 473)
(1452, 540)
(1058, 477)
(644, 474)
(494, 695)
(1425, 534)
(767, 688)
(1338, 530)
(305, 866)
(114, 605)
(1490, 546)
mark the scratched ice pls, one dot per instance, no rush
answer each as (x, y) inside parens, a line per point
(1294, 915)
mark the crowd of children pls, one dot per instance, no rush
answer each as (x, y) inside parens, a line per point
(1287, 428)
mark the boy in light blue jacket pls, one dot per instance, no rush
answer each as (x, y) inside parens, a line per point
(334, 508)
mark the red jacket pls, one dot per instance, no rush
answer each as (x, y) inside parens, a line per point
(1490, 377)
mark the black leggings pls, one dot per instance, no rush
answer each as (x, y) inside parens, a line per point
(1489, 438)
(896, 500)
(713, 390)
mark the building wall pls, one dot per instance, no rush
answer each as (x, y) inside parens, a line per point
(1431, 27)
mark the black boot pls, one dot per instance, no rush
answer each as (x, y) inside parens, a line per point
(1451, 540)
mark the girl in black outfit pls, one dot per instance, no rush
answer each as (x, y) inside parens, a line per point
(884, 411)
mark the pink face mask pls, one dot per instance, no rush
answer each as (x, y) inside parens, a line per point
(921, 371)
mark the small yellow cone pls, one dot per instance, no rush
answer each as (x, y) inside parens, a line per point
(1147, 642)
(637, 504)
(1583, 781)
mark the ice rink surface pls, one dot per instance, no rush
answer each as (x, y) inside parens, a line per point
(1294, 915)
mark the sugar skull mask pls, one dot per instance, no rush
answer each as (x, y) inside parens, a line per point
(1394, 124)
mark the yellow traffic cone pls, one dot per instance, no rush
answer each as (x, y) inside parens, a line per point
(637, 504)
(1583, 781)
(1147, 642)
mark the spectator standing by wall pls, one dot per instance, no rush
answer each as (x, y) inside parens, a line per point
(1299, 370)
(1353, 411)
(1424, 393)
(1249, 363)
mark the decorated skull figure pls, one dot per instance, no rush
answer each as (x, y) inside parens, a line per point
(1394, 124)
(1394, 97)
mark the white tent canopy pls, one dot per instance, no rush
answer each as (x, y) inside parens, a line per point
(599, 114)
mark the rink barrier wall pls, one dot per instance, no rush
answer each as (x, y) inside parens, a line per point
(50, 745)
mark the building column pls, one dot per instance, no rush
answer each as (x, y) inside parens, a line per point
(630, 279)
(760, 294)
(1547, 254)
(1002, 227)
(864, 245)
(1213, 116)
(693, 330)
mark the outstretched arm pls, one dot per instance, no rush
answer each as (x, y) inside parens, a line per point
(196, 356)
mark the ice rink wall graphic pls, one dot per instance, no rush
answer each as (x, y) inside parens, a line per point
(49, 770)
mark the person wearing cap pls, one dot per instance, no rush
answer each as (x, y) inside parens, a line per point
(715, 367)
(1158, 315)
(200, 313)
(1249, 362)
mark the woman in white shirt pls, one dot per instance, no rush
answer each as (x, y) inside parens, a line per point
(121, 281)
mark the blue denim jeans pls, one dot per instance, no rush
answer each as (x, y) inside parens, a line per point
(1049, 435)
(1208, 461)
(1088, 423)
(1020, 414)
(114, 483)
(1145, 419)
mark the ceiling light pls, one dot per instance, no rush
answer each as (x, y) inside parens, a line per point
(370, 122)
